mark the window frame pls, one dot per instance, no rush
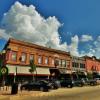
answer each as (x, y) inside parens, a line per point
(12, 55)
(46, 61)
(60, 62)
(30, 57)
(40, 60)
(53, 62)
(25, 57)
(63, 63)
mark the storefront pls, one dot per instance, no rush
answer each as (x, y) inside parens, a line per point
(22, 73)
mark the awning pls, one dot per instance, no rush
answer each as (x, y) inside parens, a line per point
(25, 70)
(62, 71)
(42, 71)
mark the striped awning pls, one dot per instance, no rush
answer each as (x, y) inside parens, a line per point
(25, 70)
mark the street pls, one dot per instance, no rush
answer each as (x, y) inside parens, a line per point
(76, 93)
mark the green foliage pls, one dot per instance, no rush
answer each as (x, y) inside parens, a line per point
(0, 62)
(0, 66)
(33, 66)
(89, 75)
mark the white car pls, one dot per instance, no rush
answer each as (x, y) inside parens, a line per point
(98, 80)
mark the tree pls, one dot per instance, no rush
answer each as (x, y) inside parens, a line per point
(1, 64)
(33, 67)
(89, 75)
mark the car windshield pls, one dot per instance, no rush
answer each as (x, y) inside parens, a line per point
(43, 81)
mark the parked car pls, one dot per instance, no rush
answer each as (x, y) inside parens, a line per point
(66, 83)
(98, 80)
(91, 82)
(55, 84)
(37, 85)
(78, 82)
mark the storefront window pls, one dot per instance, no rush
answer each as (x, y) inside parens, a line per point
(13, 56)
(23, 57)
(40, 60)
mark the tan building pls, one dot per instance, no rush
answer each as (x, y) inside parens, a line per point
(48, 61)
(78, 66)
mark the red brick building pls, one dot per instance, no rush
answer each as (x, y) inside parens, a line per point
(19, 53)
(92, 64)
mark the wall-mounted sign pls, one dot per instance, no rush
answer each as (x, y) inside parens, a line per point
(4, 70)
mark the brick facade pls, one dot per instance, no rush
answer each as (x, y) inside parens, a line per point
(18, 47)
(92, 64)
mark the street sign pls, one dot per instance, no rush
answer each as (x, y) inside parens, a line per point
(4, 70)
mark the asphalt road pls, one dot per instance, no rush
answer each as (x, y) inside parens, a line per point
(84, 93)
(76, 93)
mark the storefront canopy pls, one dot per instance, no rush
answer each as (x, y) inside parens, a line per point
(25, 70)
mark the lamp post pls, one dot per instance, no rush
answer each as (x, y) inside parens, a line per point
(15, 74)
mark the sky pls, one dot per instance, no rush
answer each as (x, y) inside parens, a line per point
(68, 25)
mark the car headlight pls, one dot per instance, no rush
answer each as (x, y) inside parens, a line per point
(72, 82)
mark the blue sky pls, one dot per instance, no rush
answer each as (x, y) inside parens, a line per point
(79, 17)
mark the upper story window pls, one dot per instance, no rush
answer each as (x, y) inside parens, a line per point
(63, 63)
(46, 60)
(56, 62)
(74, 64)
(23, 57)
(60, 62)
(14, 56)
(52, 62)
(31, 57)
(82, 65)
(39, 59)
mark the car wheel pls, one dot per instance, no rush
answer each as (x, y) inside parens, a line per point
(69, 86)
(91, 84)
(41, 89)
(52, 87)
(23, 88)
(80, 85)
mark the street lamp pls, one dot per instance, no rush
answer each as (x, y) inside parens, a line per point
(15, 74)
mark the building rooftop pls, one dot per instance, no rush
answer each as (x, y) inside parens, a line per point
(24, 43)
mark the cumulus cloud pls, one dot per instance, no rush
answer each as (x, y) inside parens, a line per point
(86, 38)
(25, 23)
(3, 34)
(97, 47)
(73, 47)
(94, 49)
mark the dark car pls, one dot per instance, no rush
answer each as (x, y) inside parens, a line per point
(66, 83)
(78, 82)
(91, 82)
(55, 84)
(38, 85)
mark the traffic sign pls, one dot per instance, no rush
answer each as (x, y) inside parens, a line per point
(4, 70)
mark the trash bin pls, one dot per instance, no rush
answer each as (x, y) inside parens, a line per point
(14, 89)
